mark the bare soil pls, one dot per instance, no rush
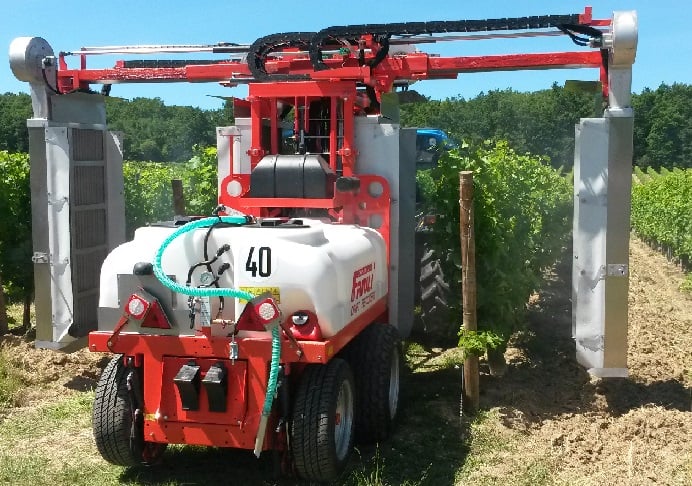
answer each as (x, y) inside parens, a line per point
(575, 428)
(47, 374)
(602, 431)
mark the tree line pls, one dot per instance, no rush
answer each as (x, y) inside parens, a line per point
(153, 131)
(540, 122)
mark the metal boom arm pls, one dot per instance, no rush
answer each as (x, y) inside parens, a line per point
(379, 55)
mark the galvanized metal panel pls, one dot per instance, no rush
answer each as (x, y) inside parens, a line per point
(39, 234)
(78, 216)
(601, 241)
(385, 150)
(89, 184)
(87, 144)
(79, 109)
(620, 149)
(57, 198)
(87, 224)
(115, 188)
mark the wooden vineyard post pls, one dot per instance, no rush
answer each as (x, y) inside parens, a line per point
(178, 197)
(470, 389)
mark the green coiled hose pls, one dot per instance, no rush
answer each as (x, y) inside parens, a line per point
(195, 291)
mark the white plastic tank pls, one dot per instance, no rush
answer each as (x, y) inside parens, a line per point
(336, 271)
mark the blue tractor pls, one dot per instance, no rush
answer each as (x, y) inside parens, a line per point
(430, 143)
(432, 290)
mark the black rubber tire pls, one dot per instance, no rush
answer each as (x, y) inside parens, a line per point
(320, 451)
(375, 358)
(434, 296)
(112, 420)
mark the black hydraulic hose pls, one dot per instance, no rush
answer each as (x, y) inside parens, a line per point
(573, 29)
(264, 46)
(339, 36)
(207, 263)
(45, 80)
(382, 32)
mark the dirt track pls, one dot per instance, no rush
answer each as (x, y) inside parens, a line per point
(590, 431)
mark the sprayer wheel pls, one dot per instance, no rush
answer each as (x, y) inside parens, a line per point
(323, 418)
(112, 420)
(375, 358)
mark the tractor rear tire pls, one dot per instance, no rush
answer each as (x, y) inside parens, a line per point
(112, 421)
(434, 297)
(322, 428)
(375, 358)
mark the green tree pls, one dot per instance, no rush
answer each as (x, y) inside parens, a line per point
(15, 109)
(663, 126)
(15, 233)
(541, 122)
(160, 133)
(149, 195)
(200, 181)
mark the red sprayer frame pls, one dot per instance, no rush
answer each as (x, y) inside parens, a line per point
(347, 67)
(162, 356)
(340, 82)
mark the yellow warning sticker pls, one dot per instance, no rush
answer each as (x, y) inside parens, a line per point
(261, 290)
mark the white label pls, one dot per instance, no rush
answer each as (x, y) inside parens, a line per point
(259, 263)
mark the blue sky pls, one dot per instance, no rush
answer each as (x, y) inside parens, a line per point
(663, 56)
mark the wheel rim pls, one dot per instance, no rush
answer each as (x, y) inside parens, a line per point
(394, 385)
(343, 421)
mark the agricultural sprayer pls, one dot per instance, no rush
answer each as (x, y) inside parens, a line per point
(274, 322)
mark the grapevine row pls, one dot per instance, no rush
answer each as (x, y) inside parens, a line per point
(523, 210)
(662, 209)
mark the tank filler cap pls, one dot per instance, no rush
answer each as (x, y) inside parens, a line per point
(143, 268)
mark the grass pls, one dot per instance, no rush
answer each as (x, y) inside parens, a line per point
(52, 443)
(38, 422)
(15, 314)
(373, 472)
(686, 285)
(498, 455)
(10, 381)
